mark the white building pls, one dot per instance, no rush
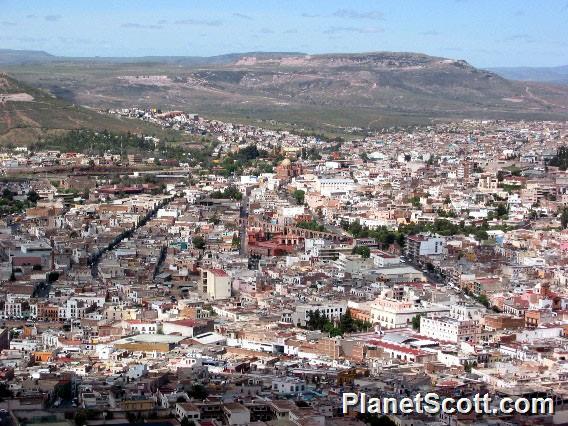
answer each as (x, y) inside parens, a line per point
(143, 327)
(332, 311)
(462, 324)
(12, 310)
(396, 307)
(383, 259)
(288, 385)
(328, 187)
(424, 245)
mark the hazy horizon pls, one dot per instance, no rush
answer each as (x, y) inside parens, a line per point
(484, 33)
(272, 52)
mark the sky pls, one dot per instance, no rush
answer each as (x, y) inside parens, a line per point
(486, 33)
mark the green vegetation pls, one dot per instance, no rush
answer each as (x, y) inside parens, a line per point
(416, 322)
(312, 225)
(375, 419)
(501, 212)
(446, 228)
(82, 415)
(9, 205)
(446, 213)
(385, 237)
(231, 193)
(198, 242)
(564, 218)
(250, 156)
(510, 188)
(514, 170)
(346, 324)
(320, 136)
(299, 196)
(560, 160)
(198, 391)
(64, 390)
(318, 108)
(5, 392)
(310, 154)
(481, 298)
(235, 242)
(93, 142)
(201, 155)
(363, 251)
(25, 123)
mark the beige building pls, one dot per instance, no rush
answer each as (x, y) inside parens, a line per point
(216, 284)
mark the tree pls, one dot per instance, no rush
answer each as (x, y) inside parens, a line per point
(7, 194)
(5, 392)
(215, 219)
(501, 210)
(481, 235)
(81, 417)
(64, 391)
(187, 422)
(483, 300)
(311, 225)
(198, 242)
(415, 201)
(363, 251)
(230, 192)
(561, 158)
(299, 196)
(236, 241)
(346, 324)
(564, 218)
(198, 392)
(416, 322)
(33, 196)
(375, 419)
(131, 417)
(316, 320)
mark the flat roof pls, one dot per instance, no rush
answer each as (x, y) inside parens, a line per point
(150, 338)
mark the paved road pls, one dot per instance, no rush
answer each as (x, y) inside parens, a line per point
(243, 228)
(126, 234)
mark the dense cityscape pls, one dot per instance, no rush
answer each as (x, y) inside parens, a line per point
(257, 274)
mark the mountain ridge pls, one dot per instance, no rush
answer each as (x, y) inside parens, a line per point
(372, 89)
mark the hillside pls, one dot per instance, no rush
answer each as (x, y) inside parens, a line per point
(312, 91)
(11, 57)
(27, 114)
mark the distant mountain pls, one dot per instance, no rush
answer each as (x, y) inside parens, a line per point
(13, 57)
(18, 57)
(27, 114)
(557, 75)
(375, 89)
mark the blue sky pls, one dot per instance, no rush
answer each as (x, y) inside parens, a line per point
(483, 32)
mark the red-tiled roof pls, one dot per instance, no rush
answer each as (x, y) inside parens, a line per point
(185, 322)
(398, 348)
